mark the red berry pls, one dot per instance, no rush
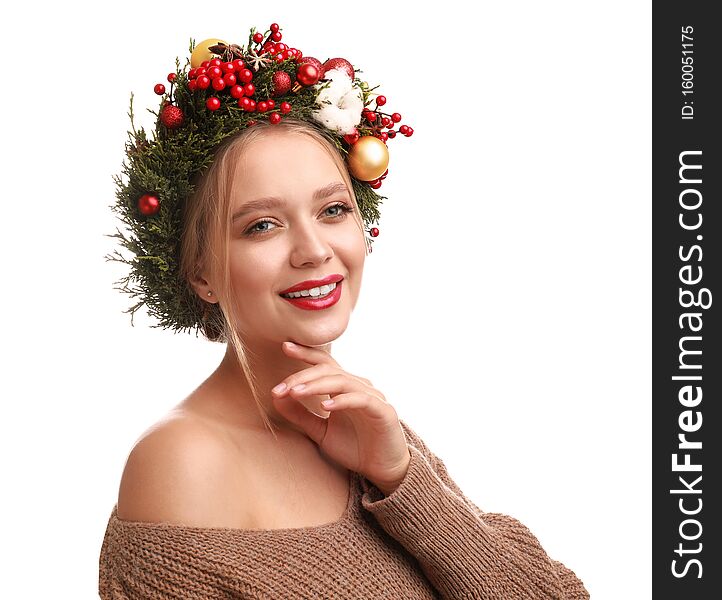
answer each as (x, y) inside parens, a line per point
(391, 134)
(228, 67)
(411, 132)
(281, 47)
(213, 103)
(396, 117)
(205, 64)
(148, 205)
(262, 106)
(203, 82)
(386, 121)
(193, 85)
(159, 89)
(245, 103)
(276, 36)
(238, 64)
(214, 71)
(376, 184)
(258, 38)
(236, 91)
(386, 172)
(245, 75)
(374, 231)
(274, 27)
(271, 104)
(383, 136)
(230, 79)
(249, 89)
(404, 129)
(252, 104)
(201, 71)
(216, 62)
(274, 118)
(285, 107)
(218, 84)
(380, 100)
(171, 77)
(371, 116)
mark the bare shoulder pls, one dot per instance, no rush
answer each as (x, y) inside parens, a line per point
(182, 471)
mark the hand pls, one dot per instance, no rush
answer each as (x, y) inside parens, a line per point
(362, 433)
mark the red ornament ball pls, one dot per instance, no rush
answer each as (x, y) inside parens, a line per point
(171, 116)
(281, 83)
(341, 64)
(374, 232)
(148, 205)
(310, 60)
(307, 74)
(213, 103)
(352, 138)
(274, 118)
(159, 89)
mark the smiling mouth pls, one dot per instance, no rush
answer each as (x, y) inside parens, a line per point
(316, 292)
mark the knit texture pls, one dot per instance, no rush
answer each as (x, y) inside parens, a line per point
(425, 540)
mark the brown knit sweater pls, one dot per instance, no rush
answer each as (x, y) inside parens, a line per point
(425, 540)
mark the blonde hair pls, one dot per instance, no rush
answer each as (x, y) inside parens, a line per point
(207, 231)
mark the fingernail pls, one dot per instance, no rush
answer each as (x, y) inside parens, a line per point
(279, 388)
(327, 402)
(299, 387)
(290, 345)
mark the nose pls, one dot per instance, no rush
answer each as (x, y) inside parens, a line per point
(310, 246)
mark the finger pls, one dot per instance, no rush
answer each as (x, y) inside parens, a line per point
(371, 405)
(304, 376)
(313, 356)
(338, 383)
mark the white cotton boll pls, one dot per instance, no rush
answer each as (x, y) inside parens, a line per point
(343, 113)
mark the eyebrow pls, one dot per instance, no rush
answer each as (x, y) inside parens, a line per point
(273, 201)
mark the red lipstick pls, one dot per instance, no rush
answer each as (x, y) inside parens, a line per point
(312, 283)
(315, 302)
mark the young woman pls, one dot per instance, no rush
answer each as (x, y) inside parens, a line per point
(254, 486)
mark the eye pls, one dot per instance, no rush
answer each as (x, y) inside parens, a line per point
(252, 229)
(343, 209)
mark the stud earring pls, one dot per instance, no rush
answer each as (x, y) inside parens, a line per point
(210, 293)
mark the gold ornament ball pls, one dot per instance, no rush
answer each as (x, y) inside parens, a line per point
(201, 52)
(368, 158)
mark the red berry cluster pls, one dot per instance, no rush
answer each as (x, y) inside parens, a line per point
(273, 46)
(378, 121)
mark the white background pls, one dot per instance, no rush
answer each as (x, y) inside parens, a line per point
(505, 309)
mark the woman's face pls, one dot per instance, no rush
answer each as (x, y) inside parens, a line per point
(298, 230)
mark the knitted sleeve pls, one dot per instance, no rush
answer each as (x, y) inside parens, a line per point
(463, 551)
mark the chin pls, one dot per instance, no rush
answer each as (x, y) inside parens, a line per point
(320, 335)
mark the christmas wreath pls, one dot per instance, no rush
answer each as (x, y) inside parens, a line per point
(222, 89)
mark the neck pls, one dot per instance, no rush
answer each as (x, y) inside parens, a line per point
(270, 366)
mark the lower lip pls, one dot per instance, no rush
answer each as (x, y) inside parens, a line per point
(309, 303)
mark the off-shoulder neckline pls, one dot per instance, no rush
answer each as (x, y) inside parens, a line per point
(353, 496)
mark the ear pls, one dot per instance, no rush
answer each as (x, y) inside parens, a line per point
(202, 286)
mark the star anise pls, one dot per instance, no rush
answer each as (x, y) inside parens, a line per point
(227, 52)
(256, 60)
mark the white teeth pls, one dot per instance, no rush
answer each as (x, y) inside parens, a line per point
(313, 292)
